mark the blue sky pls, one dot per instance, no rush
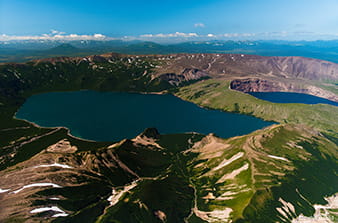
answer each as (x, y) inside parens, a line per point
(273, 18)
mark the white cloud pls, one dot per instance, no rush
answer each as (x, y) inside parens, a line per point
(176, 37)
(169, 35)
(55, 35)
(143, 36)
(238, 35)
(199, 25)
(281, 35)
(53, 31)
(98, 35)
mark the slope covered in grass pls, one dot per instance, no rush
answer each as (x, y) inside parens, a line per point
(215, 94)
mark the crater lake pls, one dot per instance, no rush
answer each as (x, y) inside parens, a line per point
(112, 116)
(290, 97)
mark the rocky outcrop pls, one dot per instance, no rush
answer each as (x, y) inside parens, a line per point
(260, 85)
(188, 74)
(63, 146)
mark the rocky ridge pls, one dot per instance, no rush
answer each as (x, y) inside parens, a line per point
(261, 85)
(160, 72)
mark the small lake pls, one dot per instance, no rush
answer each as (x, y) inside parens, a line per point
(289, 97)
(111, 116)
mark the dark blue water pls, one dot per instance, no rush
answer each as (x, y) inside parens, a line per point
(288, 97)
(115, 116)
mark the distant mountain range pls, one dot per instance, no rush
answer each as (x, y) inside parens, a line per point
(20, 51)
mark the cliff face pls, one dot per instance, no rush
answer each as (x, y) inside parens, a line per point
(244, 65)
(260, 85)
(188, 74)
(306, 68)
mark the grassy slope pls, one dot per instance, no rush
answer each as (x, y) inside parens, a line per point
(216, 94)
(253, 195)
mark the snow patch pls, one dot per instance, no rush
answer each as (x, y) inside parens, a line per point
(52, 208)
(54, 165)
(227, 162)
(60, 215)
(37, 185)
(4, 190)
(215, 215)
(115, 197)
(278, 158)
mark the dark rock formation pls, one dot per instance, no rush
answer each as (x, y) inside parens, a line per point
(151, 133)
(188, 74)
(261, 85)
